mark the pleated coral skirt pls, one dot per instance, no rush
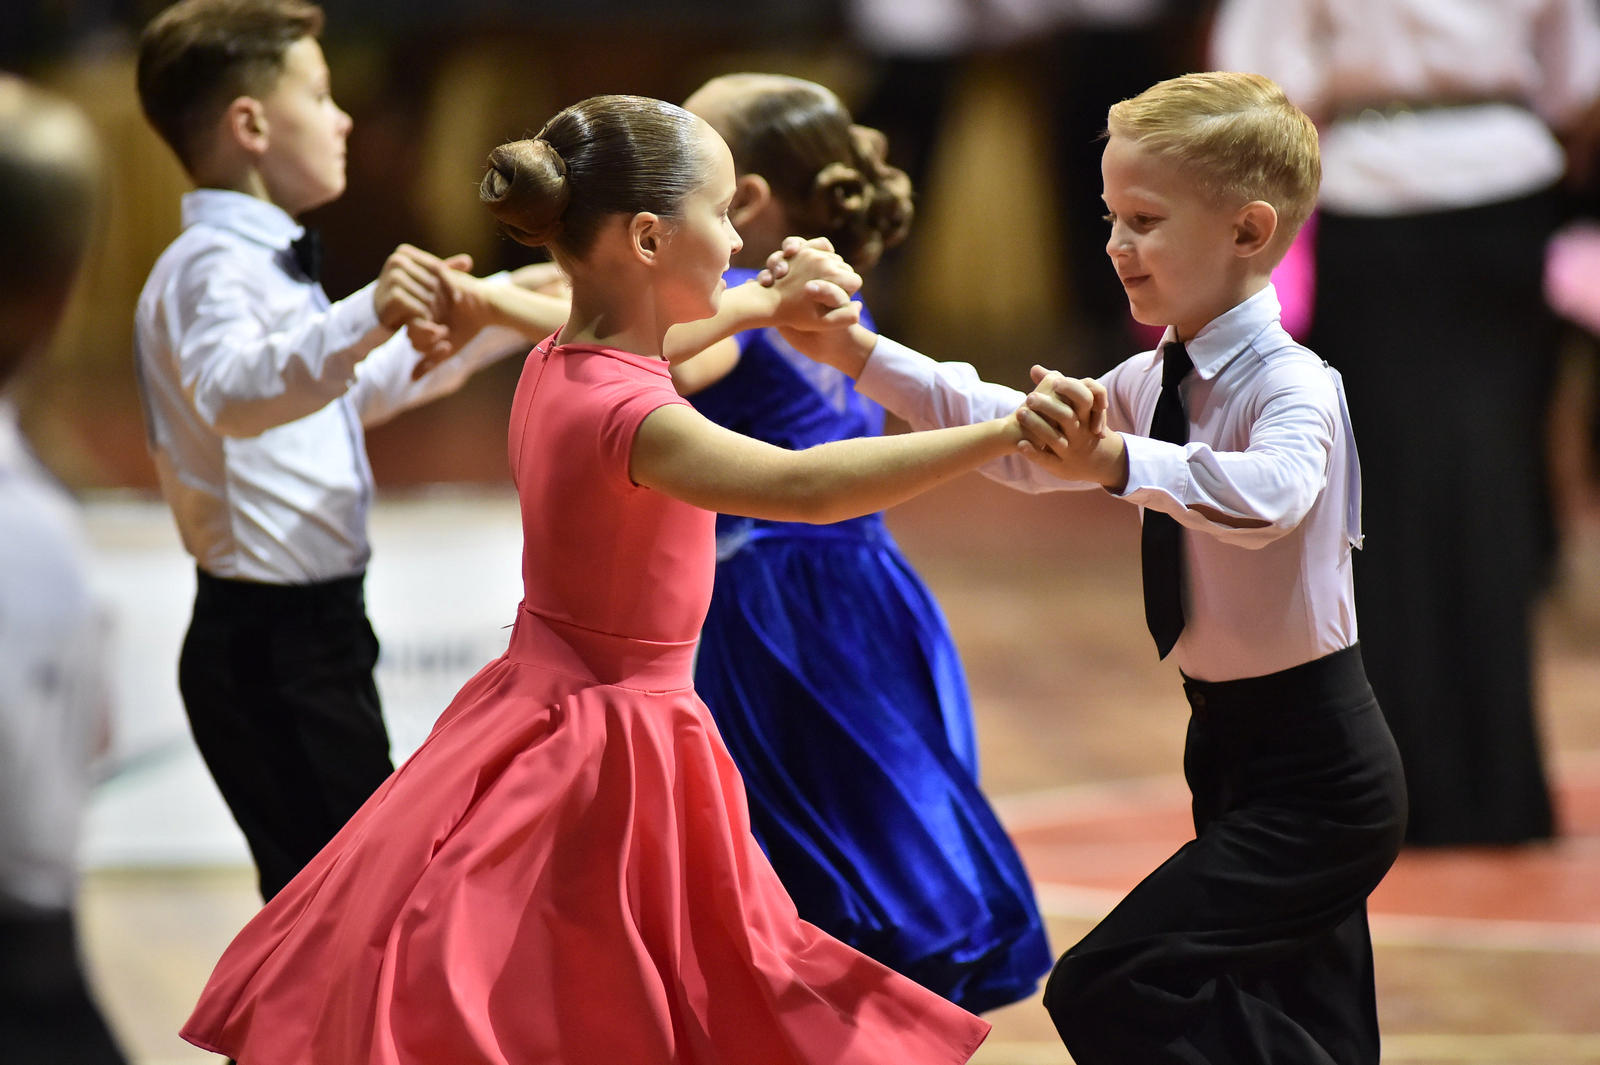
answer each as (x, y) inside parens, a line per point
(563, 872)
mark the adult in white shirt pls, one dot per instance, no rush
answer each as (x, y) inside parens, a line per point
(257, 391)
(1439, 125)
(53, 690)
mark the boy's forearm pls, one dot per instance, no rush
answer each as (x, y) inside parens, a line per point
(845, 348)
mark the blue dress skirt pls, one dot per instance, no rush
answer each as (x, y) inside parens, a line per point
(835, 684)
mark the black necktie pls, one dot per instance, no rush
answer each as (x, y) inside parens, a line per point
(307, 251)
(1161, 541)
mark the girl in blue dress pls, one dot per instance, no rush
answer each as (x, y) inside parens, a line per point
(824, 659)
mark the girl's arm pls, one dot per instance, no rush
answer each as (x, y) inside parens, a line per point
(682, 454)
(813, 293)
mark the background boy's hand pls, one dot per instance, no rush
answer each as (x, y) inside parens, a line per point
(408, 285)
(457, 313)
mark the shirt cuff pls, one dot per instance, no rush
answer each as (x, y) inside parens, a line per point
(1158, 472)
(352, 318)
(893, 371)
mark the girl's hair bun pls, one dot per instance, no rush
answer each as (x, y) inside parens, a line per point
(526, 189)
(865, 208)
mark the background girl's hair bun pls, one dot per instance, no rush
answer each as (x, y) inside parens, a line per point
(891, 210)
(526, 189)
(864, 208)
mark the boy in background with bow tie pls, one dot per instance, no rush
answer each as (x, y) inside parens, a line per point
(257, 392)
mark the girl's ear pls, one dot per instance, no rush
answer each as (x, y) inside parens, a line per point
(751, 196)
(1254, 227)
(247, 124)
(646, 233)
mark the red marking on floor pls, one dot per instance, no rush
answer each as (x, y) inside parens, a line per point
(1110, 843)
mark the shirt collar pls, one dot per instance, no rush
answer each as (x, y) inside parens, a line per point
(1229, 333)
(250, 217)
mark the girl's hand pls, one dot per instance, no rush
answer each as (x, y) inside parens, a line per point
(813, 285)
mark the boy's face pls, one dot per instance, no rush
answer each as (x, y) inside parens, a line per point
(303, 164)
(1172, 248)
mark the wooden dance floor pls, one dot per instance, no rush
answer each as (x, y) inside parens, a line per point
(1484, 956)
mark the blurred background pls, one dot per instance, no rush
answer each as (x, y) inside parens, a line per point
(994, 108)
(999, 139)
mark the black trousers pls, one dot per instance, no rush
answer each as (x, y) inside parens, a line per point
(47, 1013)
(1438, 323)
(1250, 944)
(277, 682)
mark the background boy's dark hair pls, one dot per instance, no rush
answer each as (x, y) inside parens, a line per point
(50, 188)
(197, 56)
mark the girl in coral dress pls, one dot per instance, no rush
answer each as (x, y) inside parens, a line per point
(564, 871)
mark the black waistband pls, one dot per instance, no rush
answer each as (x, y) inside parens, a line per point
(257, 597)
(1329, 681)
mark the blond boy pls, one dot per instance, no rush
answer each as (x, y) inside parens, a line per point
(1250, 944)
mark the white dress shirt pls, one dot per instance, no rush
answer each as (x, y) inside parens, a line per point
(53, 682)
(1270, 451)
(256, 391)
(1366, 69)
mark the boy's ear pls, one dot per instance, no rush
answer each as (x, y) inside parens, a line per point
(751, 195)
(646, 232)
(246, 122)
(1254, 227)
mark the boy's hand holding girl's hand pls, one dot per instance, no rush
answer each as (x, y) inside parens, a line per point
(409, 285)
(1064, 419)
(433, 298)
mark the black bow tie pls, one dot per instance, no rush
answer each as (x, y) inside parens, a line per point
(307, 252)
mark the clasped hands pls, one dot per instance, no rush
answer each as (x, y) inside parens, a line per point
(442, 306)
(1064, 429)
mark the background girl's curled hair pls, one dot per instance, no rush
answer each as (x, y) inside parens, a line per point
(604, 156)
(831, 175)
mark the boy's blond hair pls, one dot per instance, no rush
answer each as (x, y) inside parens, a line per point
(197, 56)
(1239, 135)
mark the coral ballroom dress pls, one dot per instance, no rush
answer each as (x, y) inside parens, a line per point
(564, 872)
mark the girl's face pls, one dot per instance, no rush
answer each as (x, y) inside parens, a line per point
(1172, 247)
(696, 250)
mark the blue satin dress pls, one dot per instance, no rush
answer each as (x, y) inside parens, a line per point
(835, 683)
